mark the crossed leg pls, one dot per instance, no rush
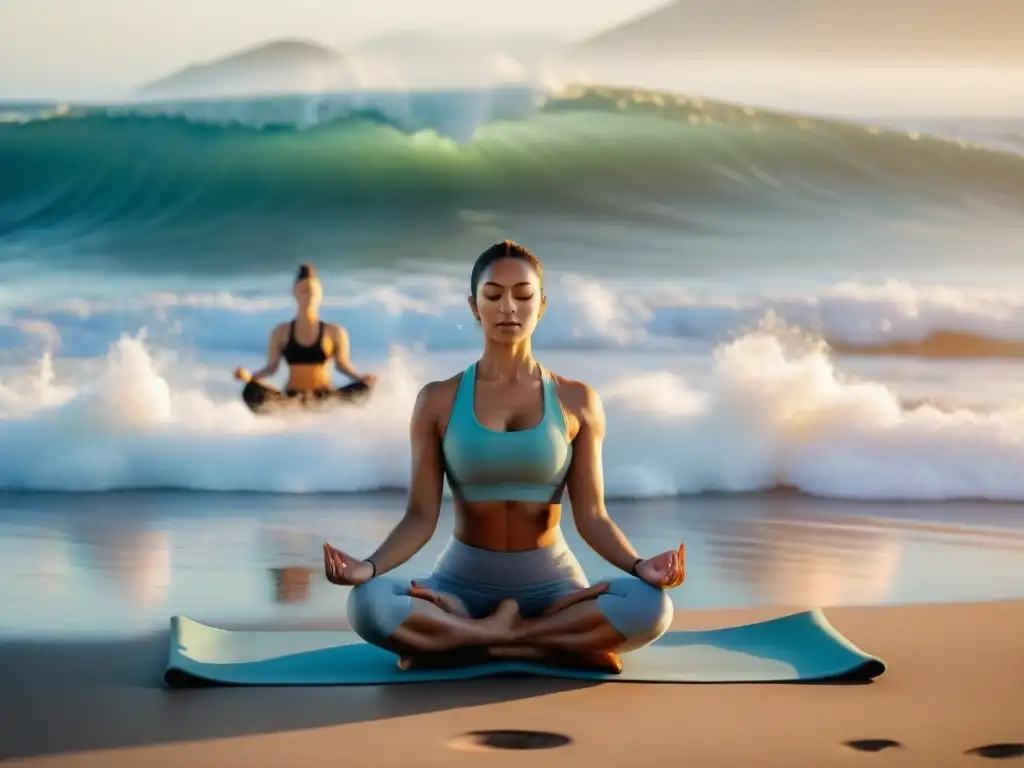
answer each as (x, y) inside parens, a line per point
(596, 622)
(416, 618)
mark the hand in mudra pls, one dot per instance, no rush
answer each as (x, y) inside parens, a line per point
(344, 570)
(666, 570)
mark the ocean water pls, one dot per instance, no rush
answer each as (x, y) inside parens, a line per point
(103, 566)
(767, 302)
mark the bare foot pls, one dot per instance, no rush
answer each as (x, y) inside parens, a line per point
(499, 625)
(605, 661)
(460, 657)
(445, 602)
(503, 620)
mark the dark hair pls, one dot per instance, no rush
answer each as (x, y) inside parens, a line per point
(306, 271)
(503, 250)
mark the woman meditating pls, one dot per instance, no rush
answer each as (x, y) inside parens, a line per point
(511, 436)
(309, 346)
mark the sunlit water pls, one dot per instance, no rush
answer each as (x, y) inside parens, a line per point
(122, 564)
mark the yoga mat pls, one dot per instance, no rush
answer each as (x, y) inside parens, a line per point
(799, 647)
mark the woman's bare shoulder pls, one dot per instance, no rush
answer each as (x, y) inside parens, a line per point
(436, 399)
(578, 399)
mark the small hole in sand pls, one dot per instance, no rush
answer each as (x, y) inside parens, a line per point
(998, 751)
(873, 745)
(505, 739)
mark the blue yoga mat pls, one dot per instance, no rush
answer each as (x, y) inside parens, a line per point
(799, 647)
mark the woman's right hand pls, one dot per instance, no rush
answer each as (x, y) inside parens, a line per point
(344, 570)
(667, 570)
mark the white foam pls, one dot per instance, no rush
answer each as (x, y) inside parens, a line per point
(769, 409)
(775, 416)
(129, 426)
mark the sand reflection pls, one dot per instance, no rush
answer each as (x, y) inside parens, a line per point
(291, 559)
(134, 559)
(291, 585)
(803, 562)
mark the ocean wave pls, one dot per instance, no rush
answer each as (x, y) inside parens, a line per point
(187, 174)
(770, 414)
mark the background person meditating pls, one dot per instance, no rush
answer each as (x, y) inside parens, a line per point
(308, 345)
(511, 436)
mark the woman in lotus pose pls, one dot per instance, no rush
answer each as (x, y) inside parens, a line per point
(308, 345)
(511, 436)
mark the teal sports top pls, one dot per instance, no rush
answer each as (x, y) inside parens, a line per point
(490, 465)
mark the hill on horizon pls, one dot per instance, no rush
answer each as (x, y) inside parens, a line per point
(884, 31)
(398, 58)
(275, 65)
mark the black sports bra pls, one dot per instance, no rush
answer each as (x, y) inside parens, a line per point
(297, 354)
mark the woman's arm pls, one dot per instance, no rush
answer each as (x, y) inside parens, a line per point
(342, 350)
(424, 507)
(586, 483)
(273, 356)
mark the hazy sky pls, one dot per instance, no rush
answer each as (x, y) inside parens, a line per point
(70, 47)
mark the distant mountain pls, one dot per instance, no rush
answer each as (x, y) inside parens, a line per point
(279, 66)
(402, 59)
(890, 31)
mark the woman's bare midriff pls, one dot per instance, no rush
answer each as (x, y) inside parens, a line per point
(308, 378)
(507, 526)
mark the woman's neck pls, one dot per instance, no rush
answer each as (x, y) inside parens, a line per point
(308, 317)
(507, 362)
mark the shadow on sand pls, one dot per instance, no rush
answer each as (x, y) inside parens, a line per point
(76, 696)
(72, 696)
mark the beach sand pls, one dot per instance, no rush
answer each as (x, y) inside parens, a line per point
(955, 682)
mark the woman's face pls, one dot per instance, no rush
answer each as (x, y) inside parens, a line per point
(508, 302)
(308, 293)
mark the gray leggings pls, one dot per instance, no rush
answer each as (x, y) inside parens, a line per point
(481, 579)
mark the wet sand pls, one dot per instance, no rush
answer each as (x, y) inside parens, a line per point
(955, 682)
(75, 566)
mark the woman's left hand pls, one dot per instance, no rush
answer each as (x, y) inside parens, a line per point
(666, 570)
